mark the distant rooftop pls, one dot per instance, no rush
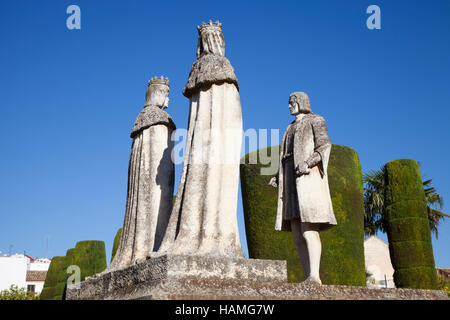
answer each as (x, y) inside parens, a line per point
(20, 255)
(36, 275)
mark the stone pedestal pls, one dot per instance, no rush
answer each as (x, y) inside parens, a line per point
(200, 277)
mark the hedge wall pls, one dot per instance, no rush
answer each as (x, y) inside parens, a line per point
(90, 256)
(408, 228)
(342, 259)
(343, 246)
(116, 243)
(55, 280)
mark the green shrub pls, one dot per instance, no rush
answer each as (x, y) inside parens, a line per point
(408, 227)
(342, 260)
(116, 243)
(342, 246)
(89, 256)
(16, 293)
(56, 274)
(444, 284)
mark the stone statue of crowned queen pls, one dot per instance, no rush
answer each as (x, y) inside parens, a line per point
(150, 179)
(204, 217)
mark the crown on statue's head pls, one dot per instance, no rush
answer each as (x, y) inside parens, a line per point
(161, 80)
(210, 26)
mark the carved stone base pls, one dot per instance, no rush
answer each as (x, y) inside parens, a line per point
(199, 277)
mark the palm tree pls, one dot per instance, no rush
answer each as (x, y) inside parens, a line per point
(374, 187)
(435, 203)
(374, 201)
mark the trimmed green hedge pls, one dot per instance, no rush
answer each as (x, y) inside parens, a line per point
(408, 228)
(260, 208)
(116, 243)
(90, 256)
(342, 260)
(55, 277)
(342, 246)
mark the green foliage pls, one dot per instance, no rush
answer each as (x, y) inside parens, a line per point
(374, 202)
(444, 284)
(260, 208)
(435, 203)
(403, 181)
(374, 198)
(342, 246)
(16, 293)
(407, 226)
(116, 243)
(56, 275)
(89, 256)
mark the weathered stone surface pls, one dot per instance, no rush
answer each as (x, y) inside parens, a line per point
(211, 67)
(150, 116)
(306, 146)
(151, 173)
(245, 290)
(197, 278)
(208, 70)
(148, 275)
(203, 220)
(304, 200)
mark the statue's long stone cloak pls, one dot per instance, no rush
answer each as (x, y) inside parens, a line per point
(203, 219)
(150, 187)
(306, 197)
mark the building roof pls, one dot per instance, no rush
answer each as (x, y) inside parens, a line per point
(375, 239)
(444, 270)
(31, 259)
(36, 275)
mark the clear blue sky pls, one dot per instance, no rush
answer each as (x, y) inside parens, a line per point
(68, 98)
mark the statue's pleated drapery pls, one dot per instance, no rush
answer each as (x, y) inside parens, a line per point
(150, 188)
(203, 220)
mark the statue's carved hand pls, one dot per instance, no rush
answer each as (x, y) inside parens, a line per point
(302, 169)
(313, 160)
(273, 182)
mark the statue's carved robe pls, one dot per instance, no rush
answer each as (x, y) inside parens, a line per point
(204, 217)
(150, 187)
(306, 197)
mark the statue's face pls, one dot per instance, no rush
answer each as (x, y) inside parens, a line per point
(159, 96)
(294, 106)
(166, 103)
(299, 103)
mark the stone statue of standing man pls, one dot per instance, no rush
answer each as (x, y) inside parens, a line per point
(304, 202)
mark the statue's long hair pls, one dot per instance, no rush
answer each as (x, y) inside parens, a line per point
(210, 42)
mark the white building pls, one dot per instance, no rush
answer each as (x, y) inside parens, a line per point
(378, 263)
(24, 272)
(13, 270)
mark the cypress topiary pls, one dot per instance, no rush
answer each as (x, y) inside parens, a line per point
(408, 228)
(342, 246)
(260, 208)
(90, 256)
(342, 260)
(116, 243)
(69, 261)
(53, 289)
